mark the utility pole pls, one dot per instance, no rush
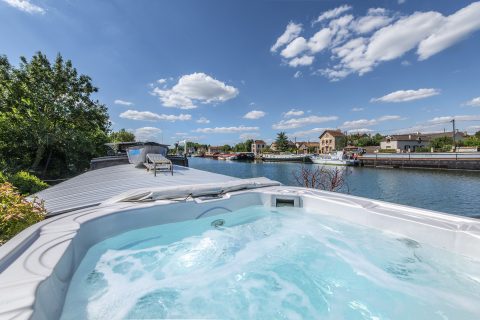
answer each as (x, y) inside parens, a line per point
(453, 135)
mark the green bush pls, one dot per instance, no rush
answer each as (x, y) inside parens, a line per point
(3, 177)
(16, 213)
(27, 183)
(387, 150)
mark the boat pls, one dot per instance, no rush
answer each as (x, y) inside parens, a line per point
(333, 159)
(227, 156)
(285, 157)
(237, 156)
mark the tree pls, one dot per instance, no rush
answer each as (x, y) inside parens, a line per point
(121, 136)
(226, 148)
(442, 142)
(244, 146)
(472, 141)
(282, 141)
(322, 177)
(365, 140)
(49, 122)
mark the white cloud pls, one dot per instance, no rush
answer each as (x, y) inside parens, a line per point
(291, 32)
(161, 81)
(203, 120)
(355, 124)
(315, 44)
(407, 95)
(254, 114)
(358, 45)
(405, 63)
(172, 99)
(226, 129)
(147, 134)
(150, 116)
(302, 61)
(459, 118)
(473, 129)
(248, 135)
(360, 130)
(475, 102)
(388, 43)
(332, 13)
(300, 122)
(293, 113)
(195, 87)
(297, 74)
(375, 19)
(310, 133)
(181, 134)
(320, 40)
(357, 109)
(123, 102)
(454, 28)
(25, 5)
(401, 1)
(298, 45)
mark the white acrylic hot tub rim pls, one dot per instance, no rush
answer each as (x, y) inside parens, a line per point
(46, 255)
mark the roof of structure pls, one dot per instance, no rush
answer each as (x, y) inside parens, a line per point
(407, 137)
(335, 133)
(93, 187)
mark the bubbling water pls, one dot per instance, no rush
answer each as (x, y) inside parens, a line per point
(271, 263)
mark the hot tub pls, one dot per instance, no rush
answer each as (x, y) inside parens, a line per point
(269, 252)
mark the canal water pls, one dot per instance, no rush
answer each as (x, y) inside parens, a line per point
(456, 192)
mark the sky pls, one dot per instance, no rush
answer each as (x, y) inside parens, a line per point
(221, 72)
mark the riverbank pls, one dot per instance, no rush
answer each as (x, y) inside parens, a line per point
(444, 161)
(454, 192)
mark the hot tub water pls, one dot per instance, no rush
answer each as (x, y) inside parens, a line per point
(271, 263)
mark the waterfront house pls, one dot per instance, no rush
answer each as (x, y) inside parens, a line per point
(258, 146)
(405, 142)
(412, 141)
(331, 140)
(307, 147)
(215, 149)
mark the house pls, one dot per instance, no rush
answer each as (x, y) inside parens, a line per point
(215, 149)
(305, 147)
(331, 140)
(410, 142)
(405, 142)
(258, 146)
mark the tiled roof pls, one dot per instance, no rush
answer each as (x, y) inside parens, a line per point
(335, 133)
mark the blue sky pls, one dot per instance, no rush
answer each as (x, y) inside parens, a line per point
(222, 71)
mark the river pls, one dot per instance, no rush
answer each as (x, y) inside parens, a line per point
(456, 192)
